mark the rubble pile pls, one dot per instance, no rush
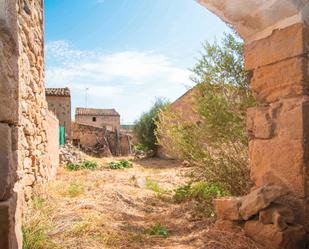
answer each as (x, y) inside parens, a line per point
(262, 217)
(71, 154)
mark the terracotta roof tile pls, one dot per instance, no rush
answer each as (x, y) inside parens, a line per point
(96, 112)
(58, 92)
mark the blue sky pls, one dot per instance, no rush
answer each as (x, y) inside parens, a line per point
(126, 52)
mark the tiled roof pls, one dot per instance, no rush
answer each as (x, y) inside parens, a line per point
(58, 92)
(96, 112)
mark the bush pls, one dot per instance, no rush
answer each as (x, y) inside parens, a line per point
(217, 143)
(144, 128)
(91, 165)
(203, 194)
(200, 191)
(122, 164)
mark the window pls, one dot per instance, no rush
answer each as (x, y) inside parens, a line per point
(94, 119)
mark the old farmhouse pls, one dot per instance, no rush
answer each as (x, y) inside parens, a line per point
(59, 102)
(108, 118)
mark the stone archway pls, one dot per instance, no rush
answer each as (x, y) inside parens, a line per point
(276, 34)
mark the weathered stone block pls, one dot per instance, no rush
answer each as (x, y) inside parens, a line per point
(259, 199)
(288, 78)
(259, 123)
(8, 237)
(294, 237)
(282, 44)
(279, 215)
(227, 208)
(281, 159)
(227, 225)
(6, 162)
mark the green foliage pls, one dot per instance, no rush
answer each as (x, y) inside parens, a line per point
(35, 237)
(182, 193)
(144, 128)
(72, 166)
(217, 142)
(200, 191)
(122, 164)
(90, 165)
(157, 230)
(140, 148)
(154, 186)
(75, 189)
(35, 229)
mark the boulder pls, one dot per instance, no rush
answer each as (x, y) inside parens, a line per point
(227, 208)
(228, 225)
(294, 237)
(279, 215)
(259, 199)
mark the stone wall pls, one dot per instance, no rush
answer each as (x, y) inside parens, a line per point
(23, 126)
(100, 141)
(184, 106)
(52, 144)
(61, 106)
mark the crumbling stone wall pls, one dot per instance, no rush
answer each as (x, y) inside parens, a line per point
(100, 141)
(23, 126)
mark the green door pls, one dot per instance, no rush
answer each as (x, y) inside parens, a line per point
(61, 135)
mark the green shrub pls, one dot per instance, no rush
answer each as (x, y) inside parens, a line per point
(182, 193)
(140, 147)
(122, 164)
(144, 128)
(215, 141)
(157, 230)
(72, 166)
(200, 191)
(91, 165)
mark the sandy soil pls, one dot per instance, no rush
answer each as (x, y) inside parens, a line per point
(108, 208)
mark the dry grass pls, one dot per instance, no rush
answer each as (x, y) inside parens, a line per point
(105, 208)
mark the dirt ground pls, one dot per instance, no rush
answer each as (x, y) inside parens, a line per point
(107, 208)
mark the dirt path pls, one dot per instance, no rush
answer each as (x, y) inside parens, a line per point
(108, 208)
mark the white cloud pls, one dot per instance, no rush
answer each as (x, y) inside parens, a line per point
(129, 75)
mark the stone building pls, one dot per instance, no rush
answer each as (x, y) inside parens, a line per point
(183, 106)
(108, 118)
(59, 102)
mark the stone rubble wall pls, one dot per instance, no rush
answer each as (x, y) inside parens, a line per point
(23, 127)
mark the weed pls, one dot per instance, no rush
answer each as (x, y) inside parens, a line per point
(157, 230)
(75, 189)
(182, 193)
(122, 164)
(202, 193)
(207, 191)
(37, 225)
(35, 236)
(91, 165)
(72, 166)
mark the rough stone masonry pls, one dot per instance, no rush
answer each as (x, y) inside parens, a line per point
(24, 159)
(276, 38)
